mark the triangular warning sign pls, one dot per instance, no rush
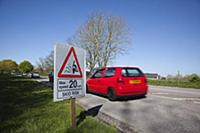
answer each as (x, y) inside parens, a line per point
(70, 67)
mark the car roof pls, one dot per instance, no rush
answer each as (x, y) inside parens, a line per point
(118, 67)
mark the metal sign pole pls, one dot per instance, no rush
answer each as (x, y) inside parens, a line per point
(73, 112)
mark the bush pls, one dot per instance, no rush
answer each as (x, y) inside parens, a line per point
(193, 78)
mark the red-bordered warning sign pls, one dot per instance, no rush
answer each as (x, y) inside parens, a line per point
(70, 67)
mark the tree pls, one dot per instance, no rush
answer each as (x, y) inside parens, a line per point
(46, 64)
(49, 62)
(7, 66)
(103, 37)
(41, 65)
(25, 66)
(193, 77)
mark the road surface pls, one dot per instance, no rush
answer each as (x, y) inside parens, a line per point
(164, 110)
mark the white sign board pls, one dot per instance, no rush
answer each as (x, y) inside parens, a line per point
(69, 72)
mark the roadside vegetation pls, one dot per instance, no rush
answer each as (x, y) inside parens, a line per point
(8, 66)
(27, 106)
(188, 81)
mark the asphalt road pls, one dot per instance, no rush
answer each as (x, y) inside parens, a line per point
(164, 110)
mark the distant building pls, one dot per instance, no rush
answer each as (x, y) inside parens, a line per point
(153, 76)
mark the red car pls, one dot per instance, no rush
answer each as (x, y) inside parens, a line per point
(118, 82)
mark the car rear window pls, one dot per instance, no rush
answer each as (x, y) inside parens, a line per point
(131, 72)
(110, 72)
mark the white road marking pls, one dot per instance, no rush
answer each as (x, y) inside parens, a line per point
(196, 102)
(159, 93)
(180, 99)
(176, 90)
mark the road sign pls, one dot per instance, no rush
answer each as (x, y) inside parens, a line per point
(69, 72)
(70, 67)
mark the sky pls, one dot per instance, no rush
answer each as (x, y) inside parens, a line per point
(165, 34)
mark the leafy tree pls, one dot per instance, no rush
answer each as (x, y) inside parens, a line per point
(25, 66)
(193, 77)
(103, 37)
(7, 66)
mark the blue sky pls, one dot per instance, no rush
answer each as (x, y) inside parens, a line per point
(165, 33)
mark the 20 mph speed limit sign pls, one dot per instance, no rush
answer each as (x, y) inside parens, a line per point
(69, 72)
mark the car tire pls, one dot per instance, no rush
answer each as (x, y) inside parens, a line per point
(111, 95)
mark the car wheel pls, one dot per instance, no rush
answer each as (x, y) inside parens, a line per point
(111, 95)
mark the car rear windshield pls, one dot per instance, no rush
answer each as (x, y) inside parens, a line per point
(131, 72)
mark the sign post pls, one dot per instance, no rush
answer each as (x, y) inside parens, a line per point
(69, 76)
(73, 112)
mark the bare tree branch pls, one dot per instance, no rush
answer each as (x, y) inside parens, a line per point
(103, 37)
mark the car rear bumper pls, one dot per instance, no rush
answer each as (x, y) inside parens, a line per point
(120, 92)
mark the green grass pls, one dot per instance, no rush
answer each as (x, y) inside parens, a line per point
(175, 83)
(27, 107)
(44, 74)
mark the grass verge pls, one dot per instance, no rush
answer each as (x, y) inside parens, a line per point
(27, 106)
(175, 83)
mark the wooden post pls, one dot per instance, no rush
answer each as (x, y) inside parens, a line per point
(73, 112)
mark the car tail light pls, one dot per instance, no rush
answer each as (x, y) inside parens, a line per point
(119, 80)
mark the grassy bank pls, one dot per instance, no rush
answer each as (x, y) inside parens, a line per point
(27, 106)
(175, 83)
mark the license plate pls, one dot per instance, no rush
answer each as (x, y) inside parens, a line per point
(134, 81)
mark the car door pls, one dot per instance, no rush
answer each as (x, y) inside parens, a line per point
(108, 80)
(94, 83)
